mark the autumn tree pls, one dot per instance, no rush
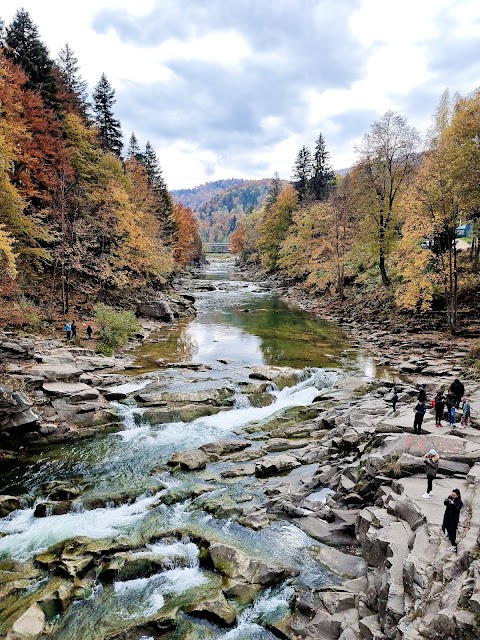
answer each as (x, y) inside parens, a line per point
(274, 227)
(302, 173)
(323, 177)
(24, 47)
(109, 129)
(189, 245)
(388, 156)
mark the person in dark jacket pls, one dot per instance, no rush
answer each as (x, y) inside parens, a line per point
(394, 399)
(89, 332)
(450, 402)
(431, 460)
(439, 407)
(453, 506)
(458, 390)
(420, 410)
(422, 394)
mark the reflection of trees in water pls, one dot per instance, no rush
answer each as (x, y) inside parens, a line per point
(291, 337)
(187, 345)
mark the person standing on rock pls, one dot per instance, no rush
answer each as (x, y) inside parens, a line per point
(465, 412)
(439, 407)
(458, 390)
(68, 330)
(453, 506)
(89, 332)
(422, 394)
(74, 329)
(394, 400)
(451, 400)
(420, 410)
(431, 460)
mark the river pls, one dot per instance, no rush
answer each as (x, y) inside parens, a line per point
(130, 500)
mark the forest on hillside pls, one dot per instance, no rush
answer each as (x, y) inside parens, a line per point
(80, 220)
(389, 227)
(219, 206)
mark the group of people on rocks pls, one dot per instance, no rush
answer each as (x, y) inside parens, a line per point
(71, 331)
(452, 401)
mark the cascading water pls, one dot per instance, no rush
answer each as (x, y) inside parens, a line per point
(126, 470)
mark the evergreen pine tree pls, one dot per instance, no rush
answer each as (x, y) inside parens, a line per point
(302, 172)
(134, 151)
(2, 33)
(323, 178)
(109, 128)
(24, 47)
(68, 66)
(274, 191)
(157, 181)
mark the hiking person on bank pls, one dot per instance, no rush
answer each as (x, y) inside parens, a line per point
(450, 402)
(458, 390)
(439, 407)
(89, 332)
(74, 329)
(68, 330)
(453, 506)
(465, 421)
(394, 399)
(431, 460)
(420, 410)
(422, 394)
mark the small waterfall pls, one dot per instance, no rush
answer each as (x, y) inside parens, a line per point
(241, 402)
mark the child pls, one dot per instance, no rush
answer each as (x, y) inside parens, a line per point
(431, 460)
(420, 410)
(465, 422)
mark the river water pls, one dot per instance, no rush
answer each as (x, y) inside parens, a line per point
(129, 496)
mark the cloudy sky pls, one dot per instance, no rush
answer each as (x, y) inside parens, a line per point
(233, 88)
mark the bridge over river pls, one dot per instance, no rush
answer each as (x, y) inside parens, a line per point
(216, 247)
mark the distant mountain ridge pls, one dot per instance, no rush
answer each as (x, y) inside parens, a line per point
(219, 205)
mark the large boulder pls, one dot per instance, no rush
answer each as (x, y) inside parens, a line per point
(214, 607)
(223, 447)
(273, 465)
(50, 372)
(157, 309)
(8, 504)
(29, 625)
(239, 566)
(15, 410)
(74, 391)
(189, 460)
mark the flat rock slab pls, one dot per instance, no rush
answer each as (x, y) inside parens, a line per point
(64, 372)
(60, 389)
(419, 445)
(273, 465)
(432, 508)
(223, 447)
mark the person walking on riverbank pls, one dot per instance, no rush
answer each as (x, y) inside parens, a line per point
(458, 389)
(68, 330)
(89, 332)
(439, 407)
(394, 400)
(74, 329)
(431, 460)
(453, 506)
(420, 410)
(465, 421)
(450, 401)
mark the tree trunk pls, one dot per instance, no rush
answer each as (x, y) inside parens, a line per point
(381, 256)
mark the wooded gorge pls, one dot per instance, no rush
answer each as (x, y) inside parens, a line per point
(393, 219)
(79, 223)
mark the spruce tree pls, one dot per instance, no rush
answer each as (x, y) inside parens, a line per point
(68, 66)
(302, 173)
(24, 47)
(157, 182)
(109, 128)
(323, 178)
(134, 151)
(2, 33)
(274, 191)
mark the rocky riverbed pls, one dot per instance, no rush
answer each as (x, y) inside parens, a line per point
(231, 501)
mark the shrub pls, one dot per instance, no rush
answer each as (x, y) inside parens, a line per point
(19, 314)
(114, 328)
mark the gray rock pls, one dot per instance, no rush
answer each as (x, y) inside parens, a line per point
(189, 460)
(273, 465)
(223, 447)
(157, 309)
(8, 504)
(29, 625)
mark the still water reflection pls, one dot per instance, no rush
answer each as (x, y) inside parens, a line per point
(246, 323)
